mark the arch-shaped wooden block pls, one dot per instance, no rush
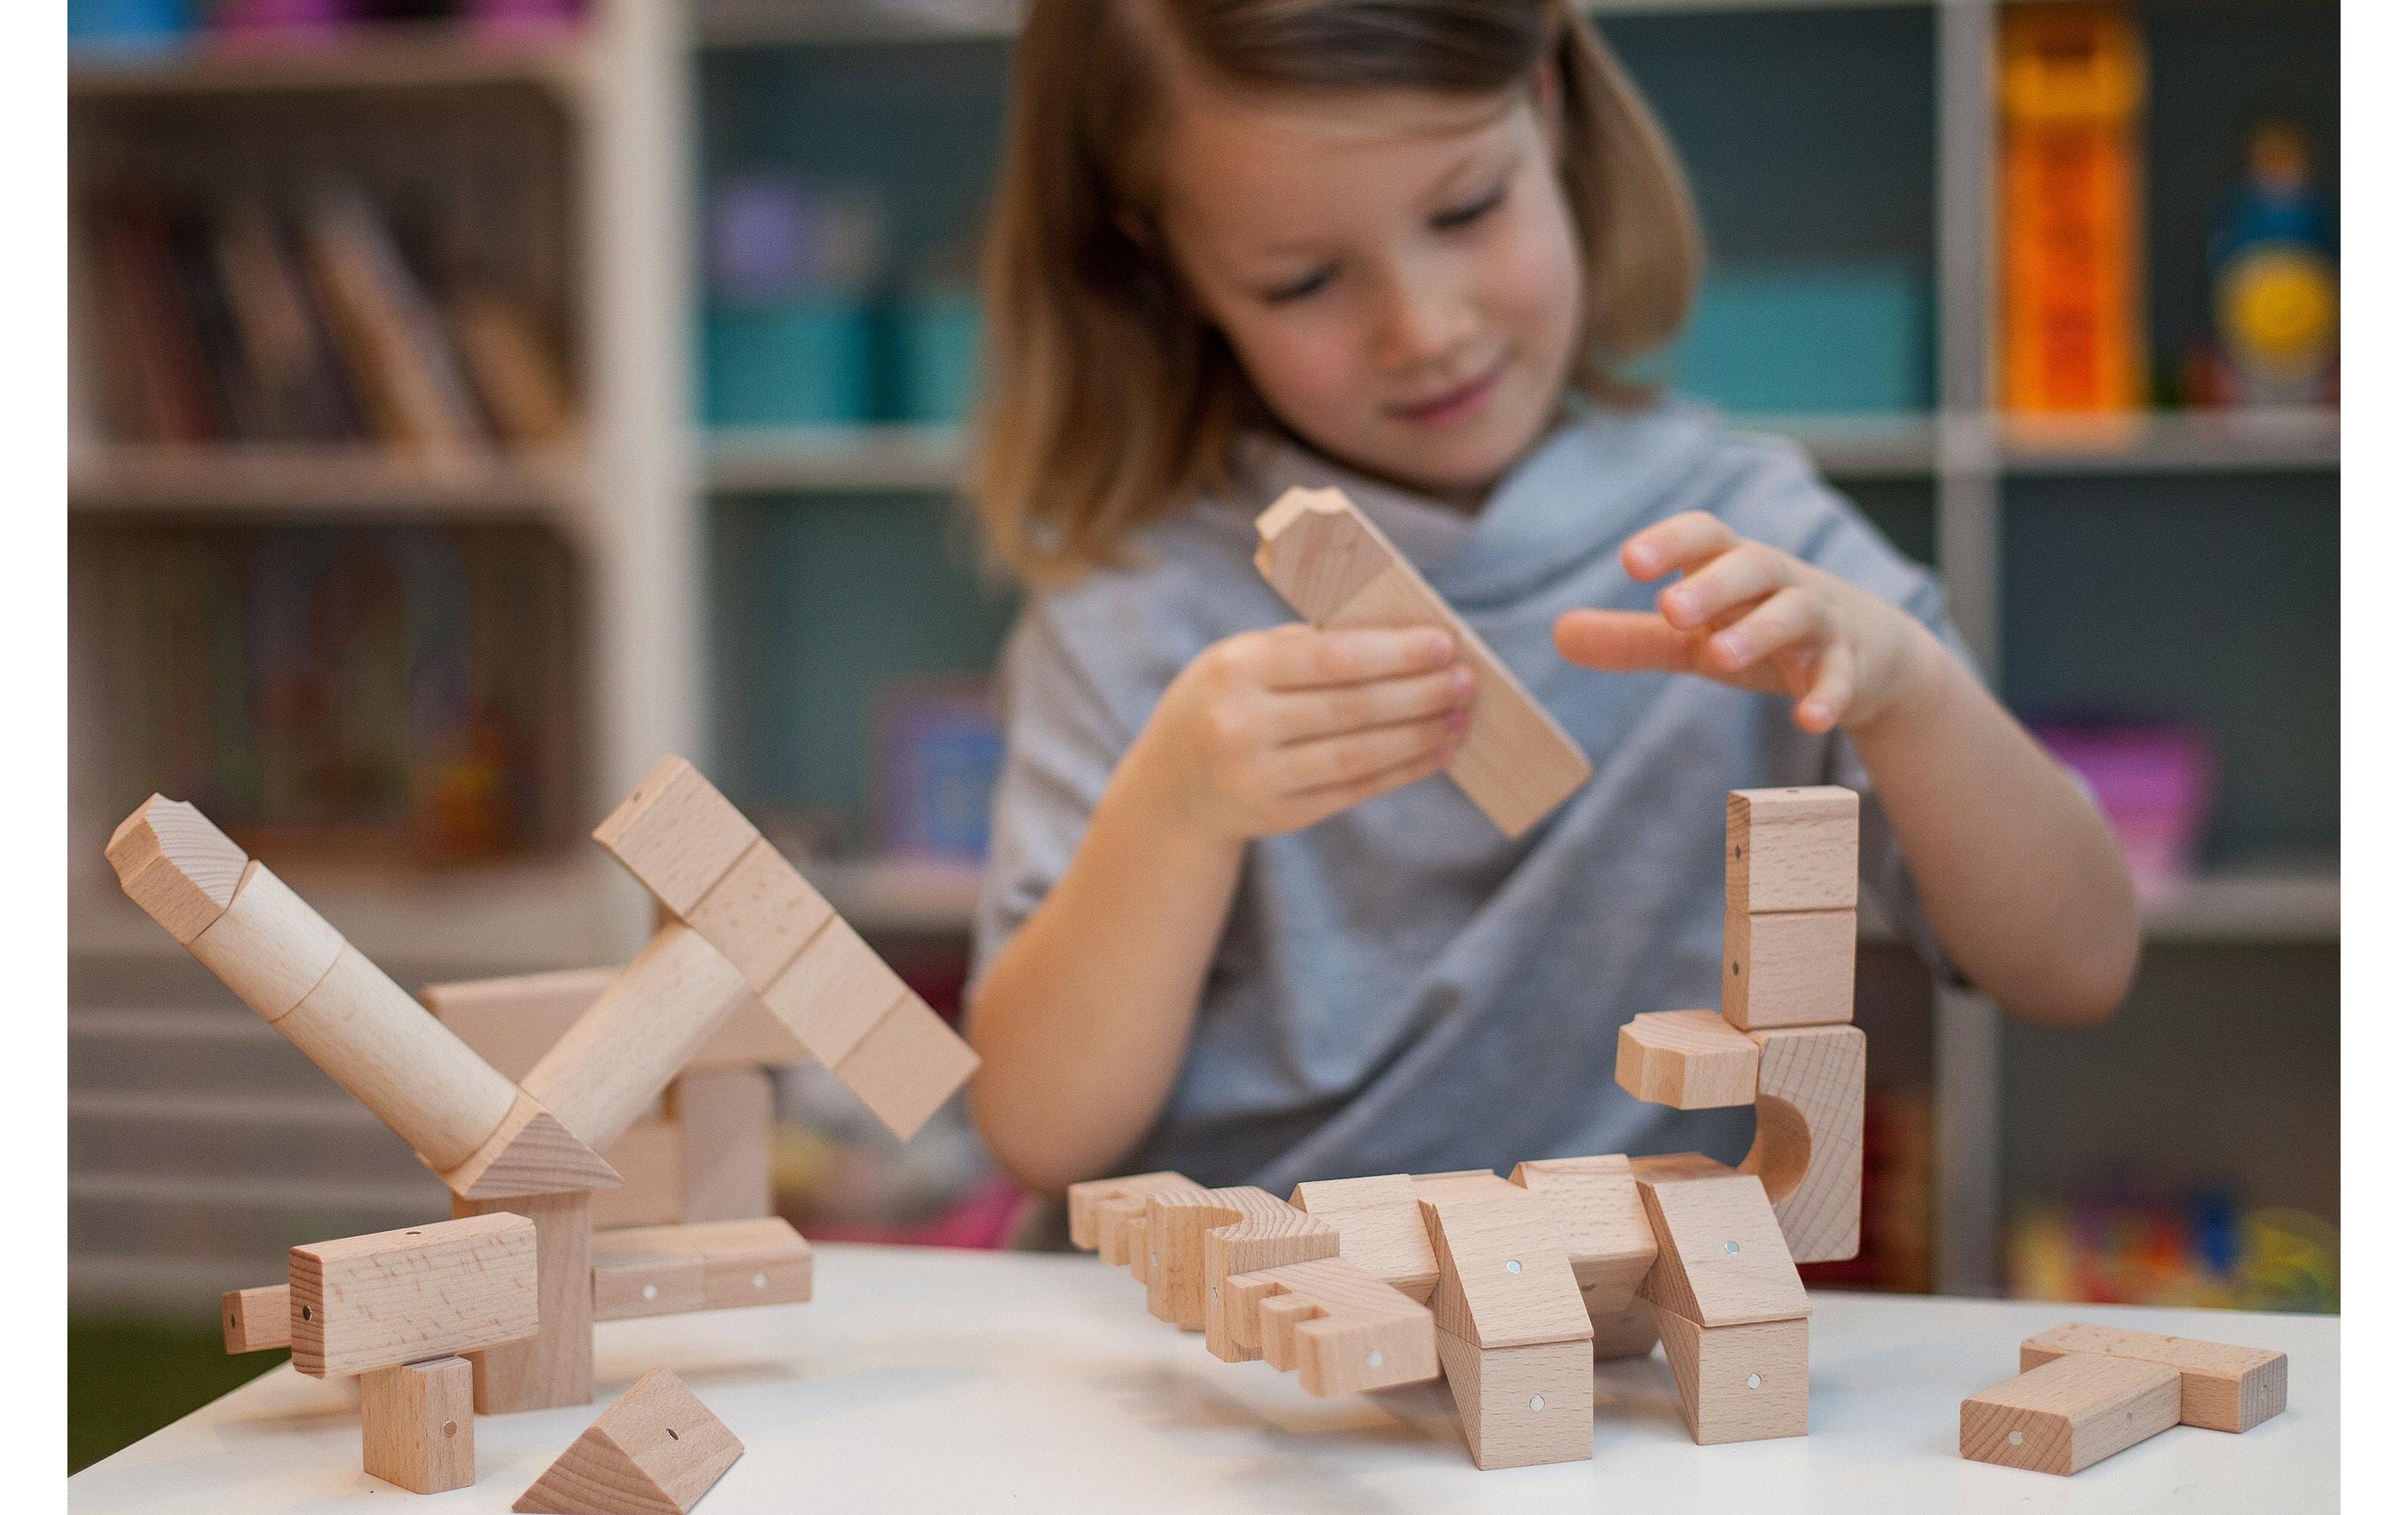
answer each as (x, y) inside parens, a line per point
(1691, 1060)
(1809, 1136)
(1334, 1325)
(1196, 1239)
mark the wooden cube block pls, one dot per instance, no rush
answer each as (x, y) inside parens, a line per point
(833, 991)
(2067, 1414)
(677, 834)
(1736, 1382)
(1791, 850)
(418, 1427)
(1789, 968)
(396, 1296)
(1523, 1406)
(907, 1064)
(1720, 1258)
(1691, 1060)
(656, 1451)
(2224, 1388)
(761, 914)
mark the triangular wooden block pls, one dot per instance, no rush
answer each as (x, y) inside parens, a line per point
(656, 1451)
(530, 1152)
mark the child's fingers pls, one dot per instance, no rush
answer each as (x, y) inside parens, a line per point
(1681, 541)
(1304, 657)
(1747, 572)
(1315, 805)
(1788, 616)
(1331, 761)
(1835, 686)
(1623, 641)
(1301, 715)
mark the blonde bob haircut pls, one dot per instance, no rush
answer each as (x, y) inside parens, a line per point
(1109, 401)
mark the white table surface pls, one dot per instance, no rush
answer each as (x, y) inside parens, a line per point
(932, 1381)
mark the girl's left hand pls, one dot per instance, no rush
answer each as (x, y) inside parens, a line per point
(1753, 617)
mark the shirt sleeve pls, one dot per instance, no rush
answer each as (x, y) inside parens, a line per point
(1061, 743)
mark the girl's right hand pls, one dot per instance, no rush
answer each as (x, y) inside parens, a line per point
(1271, 731)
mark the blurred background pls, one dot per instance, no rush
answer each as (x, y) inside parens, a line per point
(473, 400)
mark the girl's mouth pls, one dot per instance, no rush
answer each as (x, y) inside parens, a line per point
(1451, 406)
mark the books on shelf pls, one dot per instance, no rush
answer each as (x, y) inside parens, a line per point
(235, 320)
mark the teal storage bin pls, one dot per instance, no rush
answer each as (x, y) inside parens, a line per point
(1807, 338)
(798, 361)
(936, 336)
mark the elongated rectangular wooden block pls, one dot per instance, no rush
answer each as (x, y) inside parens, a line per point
(512, 1022)
(1691, 1060)
(1523, 1406)
(1380, 1228)
(555, 1366)
(1789, 968)
(1791, 850)
(908, 1066)
(2224, 1388)
(1333, 565)
(1736, 1382)
(2067, 1414)
(651, 1159)
(1720, 1258)
(725, 1118)
(257, 1320)
(395, 1297)
(418, 1427)
(715, 1264)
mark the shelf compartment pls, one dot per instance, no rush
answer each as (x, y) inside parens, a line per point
(336, 482)
(384, 59)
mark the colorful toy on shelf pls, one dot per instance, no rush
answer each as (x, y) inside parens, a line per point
(2072, 80)
(2089, 1391)
(2275, 264)
(1509, 1288)
(751, 962)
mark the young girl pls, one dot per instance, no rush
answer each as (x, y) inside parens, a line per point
(1235, 924)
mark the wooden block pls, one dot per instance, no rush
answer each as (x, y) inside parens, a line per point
(1466, 1183)
(1380, 1228)
(1736, 1382)
(182, 870)
(1522, 1406)
(530, 1152)
(1503, 1279)
(2067, 1414)
(1789, 968)
(269, 947)
(1334, 1325)
(396, 1296)
(2224, 1388)
(676, 834)
(724, 1116)
(1595, 1203)
(1332, 564)
(833, 992)
(512, 1022)
(711, 1265)
(651, 1160)
(1809, 1136)
(417, 1426)
(1101, 1208)
(1671, 1167)
(1691, 1060)
(1628, 1332)
(1194, 1239)
(1720, 1258)
(1790, 850)
(908, 1065)
(761, 914)
(555, 1366)
(627, 1046)
(257, 1320)
(656, 1451)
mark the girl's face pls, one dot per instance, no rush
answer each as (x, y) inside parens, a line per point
(1398, 272)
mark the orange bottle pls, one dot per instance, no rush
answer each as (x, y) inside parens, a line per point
(2071, 79)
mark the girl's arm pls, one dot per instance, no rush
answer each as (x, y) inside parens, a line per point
(1083, 1018)
(2018, 872)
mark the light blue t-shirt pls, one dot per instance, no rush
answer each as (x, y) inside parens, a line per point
(1399, 989)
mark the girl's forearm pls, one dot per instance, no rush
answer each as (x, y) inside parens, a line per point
(1082, 1020)
(2018, 872)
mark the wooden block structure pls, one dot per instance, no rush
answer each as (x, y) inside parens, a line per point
(1512, 1331)
(1789, 907)
(1336, 570)
(656, 1451)
(1730, 1306)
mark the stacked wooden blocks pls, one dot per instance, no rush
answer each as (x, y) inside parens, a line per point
(1730, 1306)
(2089, 1391)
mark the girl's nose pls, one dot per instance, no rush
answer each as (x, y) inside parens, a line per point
(1424, 320)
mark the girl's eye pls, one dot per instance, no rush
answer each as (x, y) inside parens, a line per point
(1297, 289)
(1447, 220)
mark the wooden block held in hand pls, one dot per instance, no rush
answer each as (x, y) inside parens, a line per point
(2224, 1388)
(395, 1297)
(1736, 1382)
(1597, 1210)
(418, 1429)
(656, 1451)
(257, 1320)
(1720, 1258)
(1789, 968)
(1380, 1228)
(1334, 1325)
(1790, 849)
(1691, 1060)
(1809, 1136)
(1503, 1279)
(677, 834)
(2067, 1414)
(1333, 565)
(1523, 1406)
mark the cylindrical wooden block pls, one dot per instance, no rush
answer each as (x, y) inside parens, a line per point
(619, 1056)
(416, 1428)
(269, 947)
(398, 1060)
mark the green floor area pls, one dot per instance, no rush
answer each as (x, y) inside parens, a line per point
(128, 1378)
